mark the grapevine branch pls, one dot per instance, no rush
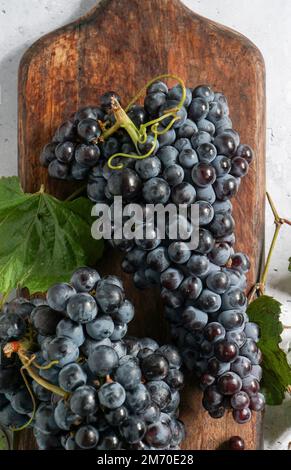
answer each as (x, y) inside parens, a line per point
(259, 287)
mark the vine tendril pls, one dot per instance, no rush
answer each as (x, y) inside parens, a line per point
(139, 136)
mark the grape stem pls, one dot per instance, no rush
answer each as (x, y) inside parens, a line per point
(19, 347)
(76, 193)
(139, 136)
(259, 287)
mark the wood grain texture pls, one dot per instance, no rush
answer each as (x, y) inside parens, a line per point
(120, 45)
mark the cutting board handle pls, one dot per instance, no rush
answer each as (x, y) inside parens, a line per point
(148, 6)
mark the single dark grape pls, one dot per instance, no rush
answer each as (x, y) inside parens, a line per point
(236, 443)
(226, 351)
(229, 383)
(203, 174)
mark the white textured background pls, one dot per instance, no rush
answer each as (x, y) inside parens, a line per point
(267, 24)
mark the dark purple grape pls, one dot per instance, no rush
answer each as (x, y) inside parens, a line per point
(242, 366)
(214, 332)
(222, 225)
(231, 319)
(58, 170)
(48, 154)
(240, 400)
(206, 152)
(239, 167)
(216, 112)
(206, 242)
(183, 193)
(226, 351)
(125, 183)
(200, 138)
(246, 152)
(137, 114)
(87, 437)
(89, 129)
(12, 327)
(191, 288)
(158, 259)
(188, 129)
(45, 320)
(206, 380)
(85, 113)
(87, 155)
(153, 102)
(250, 385)
(155, 367)
(188, 157)
(206, 212)
(194, 319)
(236, 336)
(218, 282)
(198, 265)
(242, 416)
(133, 429)
(179, 252)
(240, 261)
(173, 174)
(236, 443)
(203, 174)
(206, 126)
(209, 301)
(171, 278)
(233, 298)
(225, 144)
(160, 393)
(175, 379)
(198, 109)
(156, 190)
(217, 412)
(158, 435)
(222, 165)
(168, 155)
(225, 187)
(212, 397)
(65, 152)
(65, 132)
(216, 367)
(257, 402)
(229, 383)
(205, 92)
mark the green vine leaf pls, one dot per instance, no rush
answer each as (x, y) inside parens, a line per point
(289, 264)
(265, 311)
(42, 239)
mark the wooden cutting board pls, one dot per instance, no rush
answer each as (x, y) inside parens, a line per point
(120, 45)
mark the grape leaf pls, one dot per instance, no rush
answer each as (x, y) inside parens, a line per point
(265, 311)
(42, 239)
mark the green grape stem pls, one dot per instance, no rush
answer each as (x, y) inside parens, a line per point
(259, 287)
(139, 136)
(20, 348)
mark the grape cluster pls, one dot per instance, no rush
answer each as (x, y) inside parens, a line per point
(96, 388)
(75, 147)
(201, 161)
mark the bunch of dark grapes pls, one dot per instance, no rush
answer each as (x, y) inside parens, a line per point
(75, 148)
(199, 161)
(103, 390)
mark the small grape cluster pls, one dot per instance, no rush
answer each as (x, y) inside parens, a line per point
(88, 385)
(199, 161)
(75, 147)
